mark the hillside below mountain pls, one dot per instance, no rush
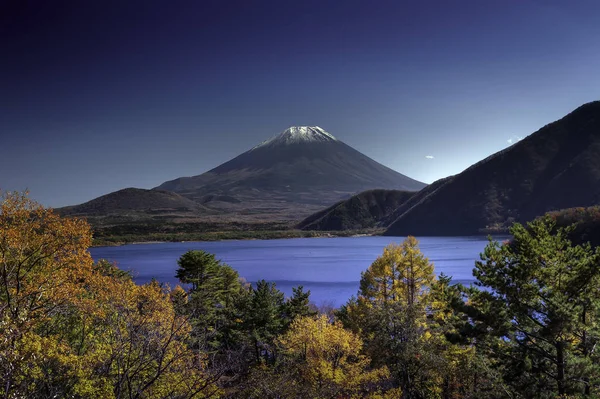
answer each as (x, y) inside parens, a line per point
(136, 204)
(585, 220)
(364, 210)
(290, 176)
(554, 168)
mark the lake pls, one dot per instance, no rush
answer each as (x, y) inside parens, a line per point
(329, 267)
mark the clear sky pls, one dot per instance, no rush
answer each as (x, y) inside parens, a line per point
(103, 96)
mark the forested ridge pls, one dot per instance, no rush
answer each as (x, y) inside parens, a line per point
(556, 167)
(74, 328)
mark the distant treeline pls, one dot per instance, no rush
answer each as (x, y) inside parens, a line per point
(69, 327)
(103, 239)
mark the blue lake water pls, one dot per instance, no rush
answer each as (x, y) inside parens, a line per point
(329, 267)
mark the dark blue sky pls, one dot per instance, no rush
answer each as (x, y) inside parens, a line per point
(94, 98)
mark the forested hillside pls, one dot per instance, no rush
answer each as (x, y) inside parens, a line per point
(584, 221)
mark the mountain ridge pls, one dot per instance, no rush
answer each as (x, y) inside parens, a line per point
(556, 167)
(284, 178)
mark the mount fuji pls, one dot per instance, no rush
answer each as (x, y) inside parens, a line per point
(290, 175)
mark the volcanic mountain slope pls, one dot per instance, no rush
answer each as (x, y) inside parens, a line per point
(290, 175)
(365, 210)
(554, 168)
(135, 203)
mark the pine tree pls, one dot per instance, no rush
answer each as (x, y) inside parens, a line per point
(213, 297)
(264, 319)
(298, 305)
(542, 303)
(197, 268)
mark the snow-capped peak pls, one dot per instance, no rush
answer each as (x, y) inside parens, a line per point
(298, 134)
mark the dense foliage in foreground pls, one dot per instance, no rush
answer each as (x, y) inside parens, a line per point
(70, 327)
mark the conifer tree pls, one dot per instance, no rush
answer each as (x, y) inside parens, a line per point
(298, 305)
(213, 297)
(391, 313)
(542, 303)
(264, 319)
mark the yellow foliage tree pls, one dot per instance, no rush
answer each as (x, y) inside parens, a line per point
(135, 344)
(42, 259)
(398, 312)
(401, 274)
(70, 328)
(330, 360)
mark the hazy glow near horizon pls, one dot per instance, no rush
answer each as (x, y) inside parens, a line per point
(175, 89)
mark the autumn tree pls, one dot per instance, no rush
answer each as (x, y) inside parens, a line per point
(138, 343)
(400, 313)
(402, 274)
(390, 311)
(70, 328)
(319, 359)
(42, 259)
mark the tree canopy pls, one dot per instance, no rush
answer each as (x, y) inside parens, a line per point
(528, 328)
(70, 328)
(542, 302)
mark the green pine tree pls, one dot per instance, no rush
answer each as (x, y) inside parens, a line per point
(298, 305)
(264, 319)
(541, 303)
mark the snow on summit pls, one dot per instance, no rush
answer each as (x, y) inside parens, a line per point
(298, 134)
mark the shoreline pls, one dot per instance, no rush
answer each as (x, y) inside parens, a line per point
(330, 234)
(231, 236)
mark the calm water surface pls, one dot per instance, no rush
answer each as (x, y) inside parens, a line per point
(329, 267)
